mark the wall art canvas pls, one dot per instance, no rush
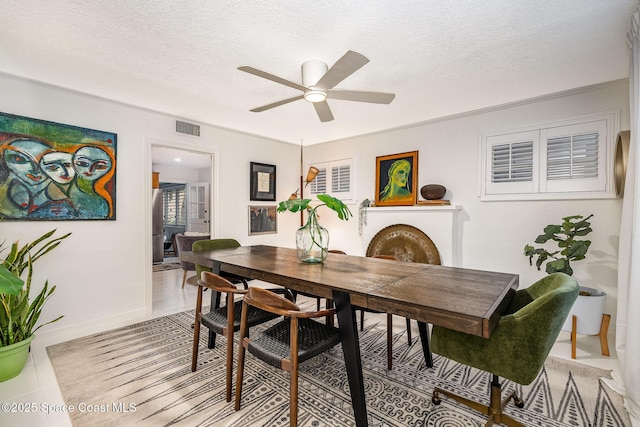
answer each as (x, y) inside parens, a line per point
(53, 171)
(263, 219)
(397, 179)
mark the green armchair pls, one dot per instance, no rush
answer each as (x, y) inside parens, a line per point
(207, 245)
(519, 345)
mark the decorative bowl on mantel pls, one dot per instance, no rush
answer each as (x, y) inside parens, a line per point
(433, 191)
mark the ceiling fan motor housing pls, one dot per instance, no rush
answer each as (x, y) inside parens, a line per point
(312, 72)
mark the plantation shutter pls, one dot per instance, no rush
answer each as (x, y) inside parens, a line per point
(572, 157)
(512, 162)
(319, 184)
(175, 209)
(334, 178)
(341, 179)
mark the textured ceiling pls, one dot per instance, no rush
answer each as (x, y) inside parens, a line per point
(438, 57)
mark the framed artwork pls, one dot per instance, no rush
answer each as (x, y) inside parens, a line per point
(397, 179)
(263, 219)
(263, 182)
(52, 171)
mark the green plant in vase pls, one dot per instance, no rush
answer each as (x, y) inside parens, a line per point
(312, 239)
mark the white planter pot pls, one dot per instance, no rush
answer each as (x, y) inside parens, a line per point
(588, 309)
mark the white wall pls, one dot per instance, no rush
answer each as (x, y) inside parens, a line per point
(103, 271)
(493, 233)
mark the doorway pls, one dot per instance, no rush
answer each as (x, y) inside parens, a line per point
(186, 174)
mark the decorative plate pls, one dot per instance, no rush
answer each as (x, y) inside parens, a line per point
(406, 243)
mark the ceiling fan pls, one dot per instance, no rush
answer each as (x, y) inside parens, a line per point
(318, 82)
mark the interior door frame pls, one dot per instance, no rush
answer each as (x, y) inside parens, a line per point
(146, 179)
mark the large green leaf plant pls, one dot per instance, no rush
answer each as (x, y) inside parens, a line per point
(18, 315)
(570, 247)
(296, 205)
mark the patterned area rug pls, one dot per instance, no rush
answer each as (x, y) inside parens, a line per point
(141, 375)
(167, 266)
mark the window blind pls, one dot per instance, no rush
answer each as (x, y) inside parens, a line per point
(340, 179)
(512, 162)
(174, 204)
(319, 185)
(572, 157)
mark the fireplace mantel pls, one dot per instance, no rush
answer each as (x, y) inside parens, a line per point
(440, 223)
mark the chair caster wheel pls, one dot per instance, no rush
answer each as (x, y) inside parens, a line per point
(435, 400)
(518, 402)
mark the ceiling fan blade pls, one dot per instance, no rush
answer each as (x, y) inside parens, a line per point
(361, 96)
(271, 77)
(343, 68)
(277, 104)
(323, 110)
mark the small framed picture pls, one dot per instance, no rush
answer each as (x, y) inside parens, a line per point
(397, 179)
(263, 219)
(262, 182)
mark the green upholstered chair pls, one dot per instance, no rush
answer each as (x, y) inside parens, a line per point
(210, 244)
(517, 348)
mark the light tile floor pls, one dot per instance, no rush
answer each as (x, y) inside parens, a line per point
(33, 398)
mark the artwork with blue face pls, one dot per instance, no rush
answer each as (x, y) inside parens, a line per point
(53, 171)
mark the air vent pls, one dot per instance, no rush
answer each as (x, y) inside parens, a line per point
(187, 128)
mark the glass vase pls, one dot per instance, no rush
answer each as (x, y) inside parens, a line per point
(312, 240)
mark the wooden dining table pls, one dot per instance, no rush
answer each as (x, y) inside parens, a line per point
(466, 300)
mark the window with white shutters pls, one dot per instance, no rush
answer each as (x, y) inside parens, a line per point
(319, 184)
(569, 159)
(335, 178)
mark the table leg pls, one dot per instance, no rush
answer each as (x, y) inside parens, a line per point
(215, 302)
(426, 348)
(351, 351)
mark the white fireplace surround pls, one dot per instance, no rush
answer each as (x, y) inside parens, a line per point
(440, 223)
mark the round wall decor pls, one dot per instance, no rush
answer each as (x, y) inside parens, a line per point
(620, 165)
(405, 243)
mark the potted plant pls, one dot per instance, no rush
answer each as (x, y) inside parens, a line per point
(312, 239)
(588, 309)
(570, 248)
(19, 314)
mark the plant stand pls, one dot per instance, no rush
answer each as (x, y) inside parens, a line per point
(604, 328)
(587, 317)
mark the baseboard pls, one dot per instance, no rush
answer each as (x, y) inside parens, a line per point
(78, 330)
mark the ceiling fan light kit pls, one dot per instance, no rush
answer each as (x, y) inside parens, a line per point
(318, 80)
(315, 95)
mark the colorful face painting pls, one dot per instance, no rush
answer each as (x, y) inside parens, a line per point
(52, 171)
